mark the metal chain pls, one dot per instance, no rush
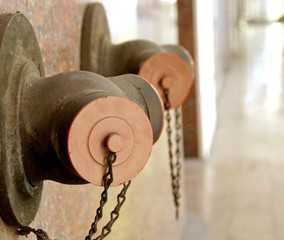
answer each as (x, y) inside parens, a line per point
(107, 180)
(26, 230)
(121, 197)
(175, 166)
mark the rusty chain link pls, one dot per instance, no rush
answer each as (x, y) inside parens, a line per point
(115, 213)
(175, 166)
(26, 230)
(107, 180)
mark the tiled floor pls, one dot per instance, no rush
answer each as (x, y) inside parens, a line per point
(238, 193)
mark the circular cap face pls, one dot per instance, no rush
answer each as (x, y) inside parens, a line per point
(110, 124)
(169, 71)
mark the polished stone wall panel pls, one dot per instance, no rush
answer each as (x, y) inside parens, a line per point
(66, 212)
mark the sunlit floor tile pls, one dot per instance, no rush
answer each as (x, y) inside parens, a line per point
(237, 194)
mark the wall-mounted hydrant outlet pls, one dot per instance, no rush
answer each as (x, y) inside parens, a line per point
(166, 67)
(62, 127)
(74, 119)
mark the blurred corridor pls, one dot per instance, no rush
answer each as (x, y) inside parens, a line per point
(237, 194)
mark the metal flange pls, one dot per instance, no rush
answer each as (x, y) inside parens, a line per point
(95, 38)
(19, 50)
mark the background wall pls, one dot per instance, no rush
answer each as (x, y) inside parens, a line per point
(67, 211)
(187, 39)
(206, 74)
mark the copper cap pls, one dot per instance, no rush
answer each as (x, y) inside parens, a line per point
(109, 124)
(168, 70)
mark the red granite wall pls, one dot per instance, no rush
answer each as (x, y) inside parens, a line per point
(67, 211)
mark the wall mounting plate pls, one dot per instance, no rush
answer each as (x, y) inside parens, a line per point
(19, 57)
(95, 38)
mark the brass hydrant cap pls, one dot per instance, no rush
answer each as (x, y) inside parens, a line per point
(109, 124)
(168, 71)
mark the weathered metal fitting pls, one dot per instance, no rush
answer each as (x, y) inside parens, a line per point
(169, 66)
(62, 127)
(71, 119)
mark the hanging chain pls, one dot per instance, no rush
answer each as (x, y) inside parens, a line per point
(26, 230)
(115, 213)
(107, 180)
(175, 167)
